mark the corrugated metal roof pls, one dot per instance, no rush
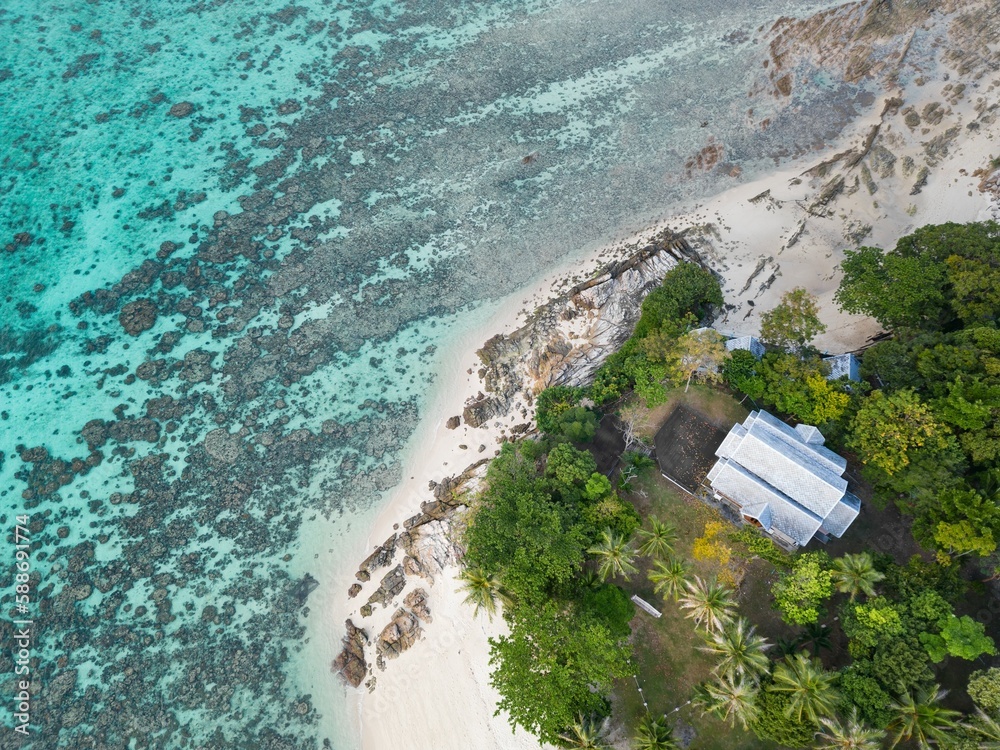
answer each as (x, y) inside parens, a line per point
(843, 364)
(842, 515)
(810, 434)
(790, 465)
(754, 494)
(749, 343)
(791, 486)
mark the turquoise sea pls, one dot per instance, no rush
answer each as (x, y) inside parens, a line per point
(234, 237)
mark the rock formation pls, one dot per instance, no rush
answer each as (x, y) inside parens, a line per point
(351, 664)
(399, 635)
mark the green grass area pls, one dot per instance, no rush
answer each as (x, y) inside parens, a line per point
(668, 662)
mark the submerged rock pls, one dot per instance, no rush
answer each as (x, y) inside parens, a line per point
(137, 316)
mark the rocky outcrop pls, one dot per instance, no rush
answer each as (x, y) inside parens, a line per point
(380, 558)
(566, 340)
(416, 602)
(391, 586)
(399, 635)
(350, 663)
(430, 548)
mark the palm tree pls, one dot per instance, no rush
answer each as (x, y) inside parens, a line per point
(482, 591)
(655, 734)
(585, 734)
(710, 603)
(810, 689)
(856, 574)
(729, 699)
(817, 636)
(986, 728)
(922, 718)
(849, 734)
(786, 646)
(670, 578)
(615, 555)
(659, 540)
(742, 653)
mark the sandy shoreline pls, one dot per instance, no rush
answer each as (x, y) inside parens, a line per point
(437, 695)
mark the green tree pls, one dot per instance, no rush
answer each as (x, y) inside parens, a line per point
(702, 352)
(533, 543)
(793, 323)
(888, 428)
(810, 689)
(740, 372)
(932, 276)
(984, 688)
(614, 556)
(551, 403)
(898, 291)
(569, 468)
(867, 625)
(598, 487)
(741, 653)
(865, 693)
(482, 591)
(658, 541)
(774, 721)
(670, 578)
(586, 733)
(655, 734)
(856, 574)
(985, 730)
(709, 604)
(611, 605)
(577, 424)
(800, 593)
(729, 698)
(965, 638)
(962, 538)
(848, 734)
(686, 288)
(921, 717)
(556, 663)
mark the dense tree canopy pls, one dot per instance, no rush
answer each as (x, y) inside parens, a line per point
(793, 323)
(932, 277)
(558, 662)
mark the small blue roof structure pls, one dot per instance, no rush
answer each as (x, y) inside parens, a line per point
(750, 343)
(843, 364)
(784, 480)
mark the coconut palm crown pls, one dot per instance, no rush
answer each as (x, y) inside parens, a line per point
(810, 689)
(614, 555)
(856, 574)
(658, 542)
(741, 652)
(483, 591)
(729, 699)
(848, 734)
(670, 578)
(710, 604)
(921, 717)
